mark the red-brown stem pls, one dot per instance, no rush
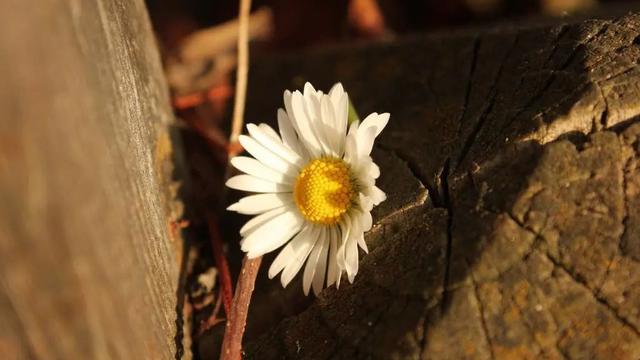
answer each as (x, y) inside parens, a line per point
(221, 264)
(237, 318)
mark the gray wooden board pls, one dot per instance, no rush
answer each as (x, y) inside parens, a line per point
(88, 269)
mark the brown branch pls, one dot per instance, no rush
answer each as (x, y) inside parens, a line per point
(213, 320)
(221, 263)
(237, 319)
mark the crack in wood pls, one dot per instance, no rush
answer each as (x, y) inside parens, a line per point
(529, 327)
(556, 325)
(537, 96)
(472, 68)
(483, 321)
(601, 300)
(444, 176)
(626, 169)
(492, 93)
(605, 112)
(564, 29)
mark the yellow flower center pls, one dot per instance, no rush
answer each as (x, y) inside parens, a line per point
(323, 190)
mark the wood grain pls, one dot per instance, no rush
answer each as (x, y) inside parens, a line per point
(88, 269)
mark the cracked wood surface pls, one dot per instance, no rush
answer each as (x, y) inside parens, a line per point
(88, 268)
(512, 228)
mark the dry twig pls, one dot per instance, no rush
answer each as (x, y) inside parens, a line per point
(221, 263)
(242, 72)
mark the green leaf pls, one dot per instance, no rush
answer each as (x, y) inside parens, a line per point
(353, 115)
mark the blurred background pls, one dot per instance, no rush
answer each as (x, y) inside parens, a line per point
(200, 34)
(197, 38)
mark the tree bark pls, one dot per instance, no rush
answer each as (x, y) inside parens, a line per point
(512, 225)
(88, 258)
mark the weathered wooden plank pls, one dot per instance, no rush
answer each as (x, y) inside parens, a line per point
(87, 265)
(526, 139)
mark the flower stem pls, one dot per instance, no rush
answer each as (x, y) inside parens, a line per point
(237, 318)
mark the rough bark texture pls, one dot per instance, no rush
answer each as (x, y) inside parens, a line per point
(512, 228)
(87, 267)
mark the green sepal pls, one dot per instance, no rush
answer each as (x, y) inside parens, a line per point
(353, 114)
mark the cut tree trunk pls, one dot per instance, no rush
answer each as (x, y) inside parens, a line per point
(88, 269)
(512, 224)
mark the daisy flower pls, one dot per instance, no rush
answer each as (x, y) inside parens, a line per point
(316, 187)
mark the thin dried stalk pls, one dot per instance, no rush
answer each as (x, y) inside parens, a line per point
(237, 317)
(242, 72)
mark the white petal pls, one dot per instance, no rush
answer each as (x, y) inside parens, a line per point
(254, 184)
(375, 194)
(269, 131)
(365, 170)
(309, 90)
(303, 126)
(272, 234)
(254, 167)
(333, 270)
(363, 244)
(321, 266)
(257, 204)
(275, 146)
(376, 121)
(300, 253)
(257, 221)
(342, 117)
(310, 268)
(350, 147)
(366, 221)
(311, 103)
(287, 254)
(351, 250)
(345, 228)
(328, 127)
(364, 140)
(364, 180)
(336, 93)
(352, 256)
(264, 155)
(368, 168)
(340, 101)
(368, 130)
(288, 133)
(365, 202)
(318, 124)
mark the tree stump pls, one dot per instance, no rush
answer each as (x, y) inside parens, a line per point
(88, 269)
(512, 225)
